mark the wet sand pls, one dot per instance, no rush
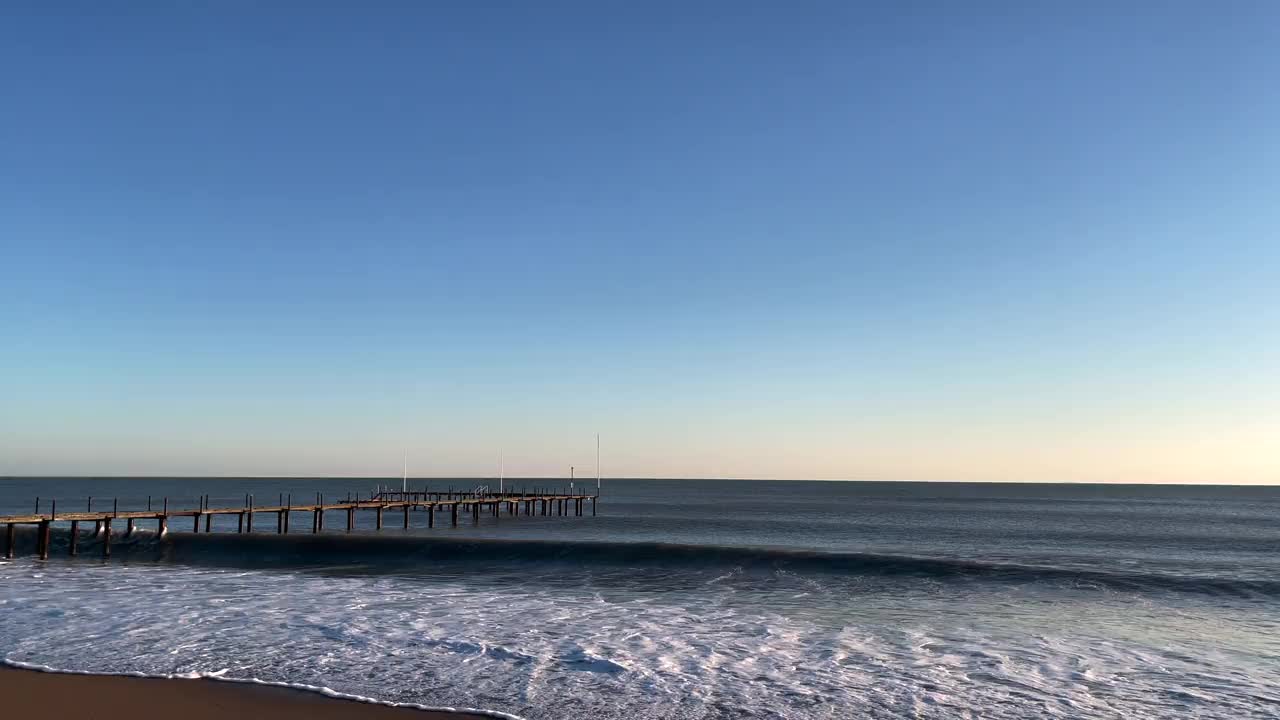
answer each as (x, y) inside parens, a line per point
(32, 694)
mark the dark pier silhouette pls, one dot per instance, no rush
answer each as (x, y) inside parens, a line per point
(380, 503)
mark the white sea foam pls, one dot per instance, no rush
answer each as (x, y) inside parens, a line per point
(572, 646)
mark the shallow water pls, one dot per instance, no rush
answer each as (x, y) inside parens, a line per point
(699, 599)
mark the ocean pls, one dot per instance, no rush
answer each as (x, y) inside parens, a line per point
(690, 599)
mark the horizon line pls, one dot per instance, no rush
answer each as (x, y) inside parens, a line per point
(630, 478)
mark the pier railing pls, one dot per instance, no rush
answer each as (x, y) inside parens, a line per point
(103, 513)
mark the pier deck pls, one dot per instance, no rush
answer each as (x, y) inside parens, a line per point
(406, 502)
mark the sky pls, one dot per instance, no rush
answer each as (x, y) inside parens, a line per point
(1007, 241)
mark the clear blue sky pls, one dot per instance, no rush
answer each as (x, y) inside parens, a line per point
(898, 240)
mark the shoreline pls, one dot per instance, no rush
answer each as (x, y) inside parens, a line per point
(29, 690)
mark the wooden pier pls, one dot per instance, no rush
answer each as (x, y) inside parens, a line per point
(451, 502)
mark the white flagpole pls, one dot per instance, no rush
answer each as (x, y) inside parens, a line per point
(597, 464)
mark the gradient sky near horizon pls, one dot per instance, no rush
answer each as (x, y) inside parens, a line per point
(841, 240)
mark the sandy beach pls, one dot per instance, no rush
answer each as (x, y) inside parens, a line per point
(27, 693)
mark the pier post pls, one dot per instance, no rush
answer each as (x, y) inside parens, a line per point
(406, 516)
(128, 528)
(97, 528)
(351, 519)
(431, 515)
(287, 512)
(75, 537)
(196, 529)
(279, 521)
(208, 522)
(454, 508)
(239, 522)
(106, 537)
(593, 507)
(162, 527)
(379, 513)
(8, 541)
(42, 539)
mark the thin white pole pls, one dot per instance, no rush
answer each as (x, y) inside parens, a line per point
(500, 474)
(597, 463)
(404, 487)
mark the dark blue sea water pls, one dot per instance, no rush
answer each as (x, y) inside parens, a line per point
(693, 599)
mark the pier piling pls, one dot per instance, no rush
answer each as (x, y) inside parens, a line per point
(42, 539)
(476, 502)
